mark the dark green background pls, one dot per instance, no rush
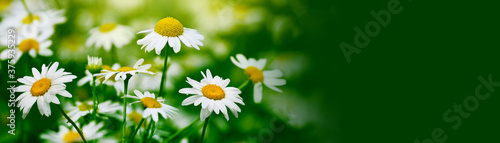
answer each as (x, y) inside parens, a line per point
(426, 60)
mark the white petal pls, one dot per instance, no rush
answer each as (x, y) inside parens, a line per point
(204, 114)
(36, 74)
(155, 117)
(257, 92)
(243, 61)
(238, 64)
(177, 43)
(145, 31)
(190, 100)
(188, 91)
(64, 93)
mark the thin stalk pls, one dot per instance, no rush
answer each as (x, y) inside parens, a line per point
(147, 130)
(58, 4)
(72, 123)
(95, 98)
(152, 130)
(136, 130)
(164, 73)
(125, 92)
(204, 129)
(114, 51)
(27, 9)
(243, 85)
(268, 63)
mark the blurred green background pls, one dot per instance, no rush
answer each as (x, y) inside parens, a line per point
(395, 90)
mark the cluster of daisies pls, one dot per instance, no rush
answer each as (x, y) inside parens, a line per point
(34, 30)
(83, 120)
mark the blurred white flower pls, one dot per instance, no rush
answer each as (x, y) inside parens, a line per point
(170, 30)
(71, 48)
(32, 42)
(227, 15)
(110, 34)
(42, 88)
(64, 135)
(133, 116)
(43, 20)
(292, 64)
(153, 105)
(83, 108)
(214, 96)
(255, 71)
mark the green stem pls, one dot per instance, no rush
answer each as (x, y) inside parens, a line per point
(27, 9)
(204, 129)
(152, 130)
(268, 63)
(58, 4)
(136, 130)
(114, 51)
(94, 95)
(243, 85)
(164, 73)
(125, 92)
(72, 123)
(147, 130)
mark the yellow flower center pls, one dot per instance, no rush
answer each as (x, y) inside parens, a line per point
(254, 74)
(29, 19)
(28, 44)
(85, 107)
(169, 27)
(72, 137)
(40, 87)
(106, 67)
(125, 69)
(213, 91)
(135, 117)
(4, 4)
(107, 27)
(149, 102)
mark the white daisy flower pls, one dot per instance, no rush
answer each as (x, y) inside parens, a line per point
(214, 96)
(108, 34)
(32, 42)
(42, 88)
(153, 106)
(170, 30)
(64, 135)
(254, 69)
(118, 85)
(83, 108)
(121, 73)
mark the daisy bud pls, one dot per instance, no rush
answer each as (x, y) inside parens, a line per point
(94, 64)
